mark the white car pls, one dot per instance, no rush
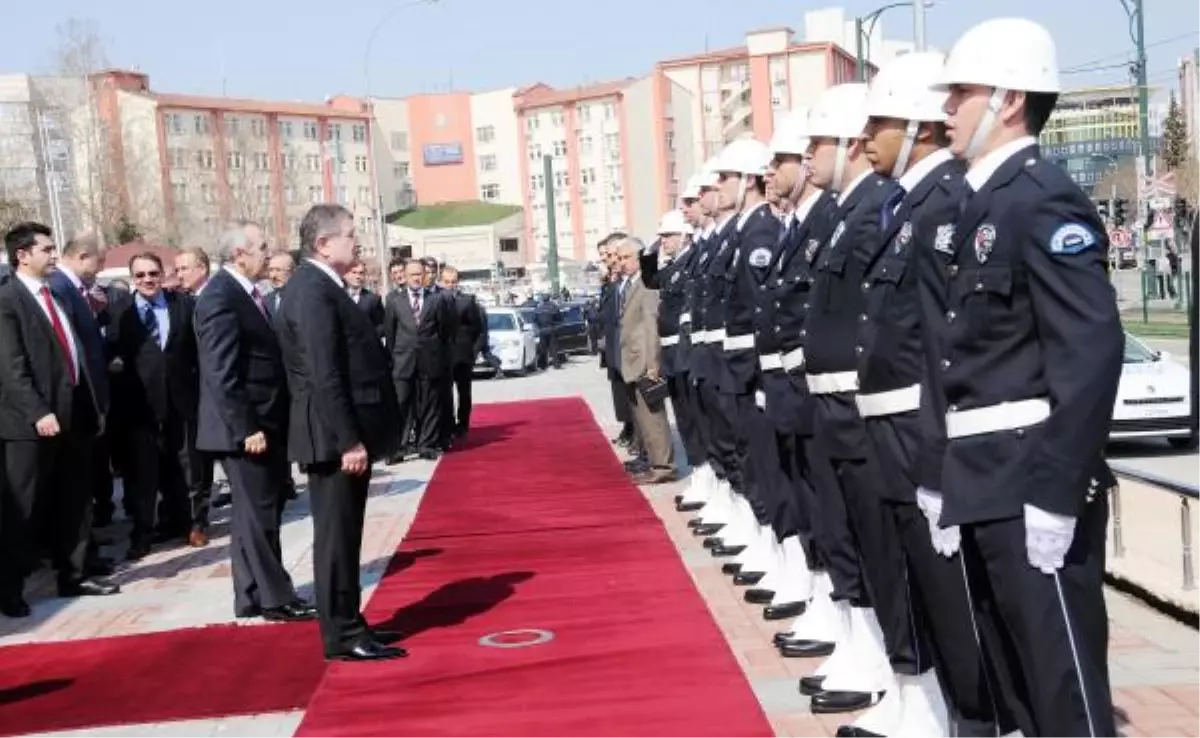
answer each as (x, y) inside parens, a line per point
(1154, 397)
(512, 339)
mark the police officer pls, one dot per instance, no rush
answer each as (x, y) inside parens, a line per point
(844, 473)
(1029, 357)
(919, 596)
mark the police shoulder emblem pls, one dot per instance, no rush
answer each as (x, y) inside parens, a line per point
(674, 277)
(760, 257)
(904, 236)
(985, 239)
(704, 257)
(1072, 238)
(810, 249)
(943, 240)
(837, 233)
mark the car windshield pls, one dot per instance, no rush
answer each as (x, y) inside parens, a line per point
(572, 314)
(1137, 352)
(501, 322)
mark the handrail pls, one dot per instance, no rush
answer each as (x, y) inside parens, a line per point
(1186, 493)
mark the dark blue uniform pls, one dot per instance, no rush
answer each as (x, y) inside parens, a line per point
(709, 313)
(674, 281)
(1029, 357)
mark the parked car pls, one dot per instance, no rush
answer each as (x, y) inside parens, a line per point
(512, 339)
(1154, 397)
(573, 330)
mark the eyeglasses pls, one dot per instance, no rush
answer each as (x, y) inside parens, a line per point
(147, 275)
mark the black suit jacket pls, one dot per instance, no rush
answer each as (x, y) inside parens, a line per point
(341, 392)
(154, 382)
(468, 328)
(371, 304)
(419, 345)
(34, 381)
(87, 330)
(243, 388)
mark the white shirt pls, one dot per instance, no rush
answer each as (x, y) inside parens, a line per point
(329, 272)
(985, 166)
(75, 280)
(745, 215)
(241, 279)
(805, 207)
(718, 226)
(919, 171)
(355, 295)
(844, 194)
(35, 288)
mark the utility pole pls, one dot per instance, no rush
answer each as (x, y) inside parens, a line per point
(1138, 20)
(551, 224)
(919, 25)
(860, 68)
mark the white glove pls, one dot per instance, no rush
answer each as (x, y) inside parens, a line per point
(1047, 538)
(945, 540)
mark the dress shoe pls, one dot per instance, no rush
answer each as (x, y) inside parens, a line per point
(367, 650)
(137, 551)
(292, 612)
(704, 530)
(782, 637)
(430, 454)
(721, 552)
(395, 459)
(222, 499)
(731, 567)
(826, 703)
(689, 506)
(853, 731)
(14, 607)
(806, 649)
(745, 578)
(386, 637)
(783, 610)
(758, 596)
(650, 476)
(98, 567)
(810, 685)
(635, 465)
(199, 539)
(713, 542)
(678, 500)
(87, 588)
(694, 523)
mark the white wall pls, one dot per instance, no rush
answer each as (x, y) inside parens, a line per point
(495, 109)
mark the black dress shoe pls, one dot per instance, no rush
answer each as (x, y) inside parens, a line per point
(781, 638)
(395, 459)
(758, 596)
(99, 567)
(87, 588)
(811, 685)
(222, 499)
(731, 567)
(707, 529)
(290, 613)
(367, 650)
(386, 637)
(806, 649)
(678, 499)
(749, 577)
(712, 542)
(14, 607)
(695, 522)
(689, 506)
(853, 731)
(430, 454)
(721, 552)
(137, 551)
(827, 703)
(783, 610)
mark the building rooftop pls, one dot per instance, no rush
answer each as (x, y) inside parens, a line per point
(540, 95)
(454, 215)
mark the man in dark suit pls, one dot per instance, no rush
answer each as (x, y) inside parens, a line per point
(157, 386)
(49, 416)
(466, 344)
(366, 300)
(279, 270)
(417, 328)
(445, 385)
(242, 419)
(343, 417)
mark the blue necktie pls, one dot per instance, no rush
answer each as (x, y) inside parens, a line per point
(889, 208)
(150, 320)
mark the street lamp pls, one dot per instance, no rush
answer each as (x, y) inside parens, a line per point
(376, 194)
(869, 21)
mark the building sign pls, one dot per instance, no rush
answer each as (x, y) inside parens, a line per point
(443, 153)
(1099, 147)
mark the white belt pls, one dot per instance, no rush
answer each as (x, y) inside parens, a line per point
(716, 335)
(999, 417)
(669, 340)
(892, 402)
(770, 362)
(793, 359)
(760, 399)
(739, 343)
(833, 383)
(699, 336)
(685, 318)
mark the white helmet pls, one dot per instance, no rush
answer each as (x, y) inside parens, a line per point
(1004, 53)
(840, 112)
(708, 174)
(744, 156)
(906, 88)
(691, 189)
(791, 136)
(673, 222)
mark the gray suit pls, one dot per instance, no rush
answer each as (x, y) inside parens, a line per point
(641, 354)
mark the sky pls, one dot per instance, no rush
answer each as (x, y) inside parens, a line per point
(310, 49)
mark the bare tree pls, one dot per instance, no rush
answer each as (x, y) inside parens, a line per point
(11, 213)
(1122, 179)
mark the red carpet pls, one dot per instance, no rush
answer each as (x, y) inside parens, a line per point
(535, 526)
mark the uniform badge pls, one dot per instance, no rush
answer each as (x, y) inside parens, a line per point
(1072, 238)
(943, 241)
(904, 236)
(985, 238)
(837, 233)
(760, 257)
(810, 249)
(704, 257)
(674, 277)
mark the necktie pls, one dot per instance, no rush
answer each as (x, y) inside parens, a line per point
(415, 297)
(622, 291)
(889, 207)
(87, 297)
(258, 300)
(150, 320)
(60, 332)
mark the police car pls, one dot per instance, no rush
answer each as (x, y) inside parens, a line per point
(1154, 397)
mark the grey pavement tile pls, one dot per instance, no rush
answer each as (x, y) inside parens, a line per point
(780, 696)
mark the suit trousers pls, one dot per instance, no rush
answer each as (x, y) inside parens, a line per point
(463, 373)
(445, 399)
(685, 418)
(102, 476)
(159, 456)
(420, 401)
(620, 395)
(654, 430)
(257, 486)
(339, 503)
(1046, 635)
(766, 477)
(833, 538)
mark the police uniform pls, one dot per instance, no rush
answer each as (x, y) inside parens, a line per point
(673, 331)
(1030, 350)
(698, 355)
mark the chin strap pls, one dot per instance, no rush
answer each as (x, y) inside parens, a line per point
(910, 138)
(839, 165)
(986, 124)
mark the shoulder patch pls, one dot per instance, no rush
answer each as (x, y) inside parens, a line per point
(675, 277)
(904, 236)
(1072, 238)
(760, 257)
(837, 233)
(810, 249)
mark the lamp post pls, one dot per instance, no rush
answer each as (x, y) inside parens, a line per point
(869, 21)
(376, 193)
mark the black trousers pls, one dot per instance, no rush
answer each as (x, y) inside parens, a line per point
(721, 415)
(339, 503)
(421, 403)
(794, 461)
(620, 397)
(685, 418)
(462, 385)
(101, 476)
(257, 486)
(766, 485)
(1046, 635)
(833, 538)
(700, 422)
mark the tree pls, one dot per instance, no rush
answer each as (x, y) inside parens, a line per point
(1122, 180)
(1174, 147)
(11, 213)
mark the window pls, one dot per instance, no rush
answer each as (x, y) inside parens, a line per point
(531, 123)
(341, 195)
(235, 160)
(261, 161)
(400, 141)
(585, 113)
(289, 194)
(612, 143)
(314, 194)
(509, 246)
(258, 127)
(560, 148)
(285, 129)
(333, 132)
(487, 163)
(485, 134)
(556, 119)
(208, 193)
(312, 162)
(609, 111)
(287, 162)
(174, 123)
(200, 125)
(489, 192)
(585, 145)
(179, 191)
(177, 158)
(360, 164)
(670, 140)
(401, 169)
(358, 132)
(311, 132)
(263, 192)
(562, 179)
(535, 152)
(587, 176)
(364, 195)
(204, 159)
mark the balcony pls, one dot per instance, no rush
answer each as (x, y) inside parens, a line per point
(737, 123)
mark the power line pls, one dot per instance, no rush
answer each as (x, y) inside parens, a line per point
(1129, 53)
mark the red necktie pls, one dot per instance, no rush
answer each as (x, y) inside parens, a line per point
(60, 332)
